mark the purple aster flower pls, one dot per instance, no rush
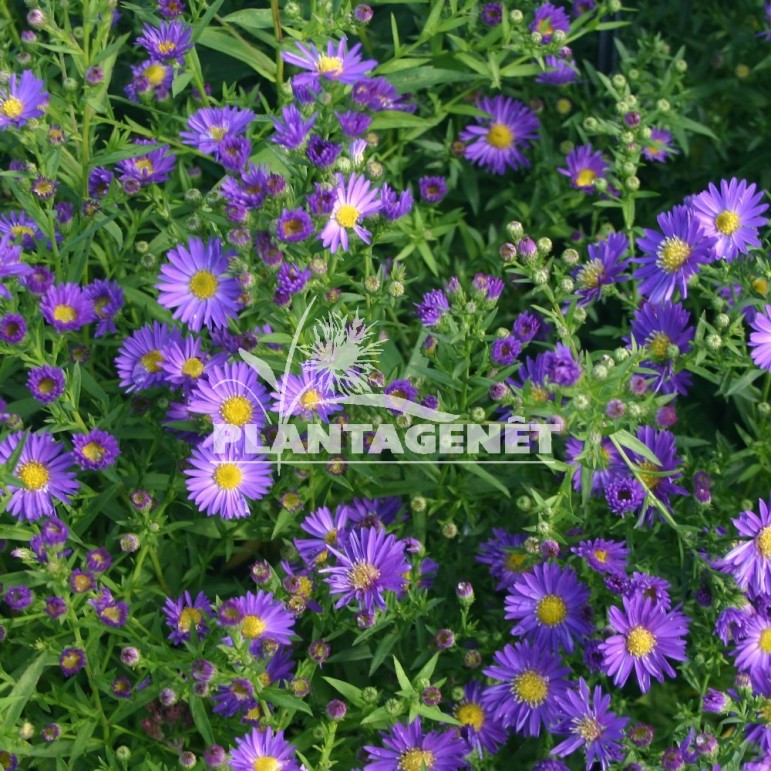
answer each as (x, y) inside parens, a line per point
(765, 34)
(185, 361)
(21, 228)
(759, 734)
(252, 189)
(263, 749)
(95, 450)
(548, 604)
(659, 147)
(290, 279)
(43, 473)
(672, 255)
(401, 389)
(492, 14)
(504, 351)
(150, 79)
(339, 63)
(72, 660)
(67, 307)
(377, 94)
(603, 556)
(354, 201)
(264, 619)
(327, 530)
(223, 483)
(501, 135)
(561, 367)
(434, 305)
(195, 285)
(731, 624)
(233, 698)
(653, 588)
(395, 205)
(598, 462)
(19, 597)
(526, 327)
(548, 19)
(432, 189)
(10, 265)
(55, 607)
(353, 124)
(171, 9)
(111, 612)
(322, 199)
(305, 395)
(760, 339)
(141, 355)
(154, 166)
(231, 395)
(584, 166)
(580, 7)
(13, 328)
(294, 225)
(750, 561)
(504, 554)
(233, 153)
(99, 180)
(121, 688)
(369, 563)
(488, 288)
(554, 765)
(82, 581)
(366, 513)
(645, 638)
(107, 297)
(321, 152)
(291, 129)
(731, 216)
(184, 614)
(658, 477)
(559, 72)
(587, 720)
(168, 42)
(409, 747)
(21, 100)
(480, 729)
(715, 702)
(753, 653)
(661, 328)
(54, 532)
(531, 681)
(46, 383)
(604, 268)
(98, 560)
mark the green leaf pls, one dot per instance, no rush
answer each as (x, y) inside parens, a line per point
(478, 471)
(21, 692)
(231, 46)
(351, 692)
(281, 698)
(201, 719)
(401, 676)
(253, 18)
(625, 439)
(382, 650)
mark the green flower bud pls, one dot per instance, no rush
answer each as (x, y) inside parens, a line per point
(570, 257)
(396, 289)
(591, 124)
(524, 503)
(369, 695)
(515, 230)
(764, 408)
(566, 147)
(579, 315)
(394, 707)
(632, 183)
(558, 37)
(581, 402)
(722, 320)
(621, 354)
(450, 530)
(478, 414)
(663, 105)
(516, 17)
(536, 38)
(123, 753)
(372, 284)
(600, 372)
(541, 277)
(618, 80)
(193, 197)
(544, 246)
(418, 504)
(713, 342)
(567, 285)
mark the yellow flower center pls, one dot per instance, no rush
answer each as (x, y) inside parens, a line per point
(551, 610)
(601, 555)
(188, 618)
(727, 222)
(291, 500)
(154, 74)
(292, 226)
(167, 47)
(591, 274)
(252, 627)
(151, 361)
(531, 688)
(588, 729)
(331, 537)
(500, 136)
(658, 344)
(471, 714)
(236, 410)
(311, 399)
(763, 542)
(34, 475)
(347, 216)
(329, 65)
(586, 178)
(65, 314)
(112, 613)
(363, 575)
(764, 643)
(305, 586)
(255, 713)
(515, 562)
(193, 367)
(82, 582)
(640, 642)
(673, 253)
(44, 187)
(12, 107)
(544, 27)
(145, 165)
(649, 480)
(22, 230)
(46, 386)
(203, 284)
(760, 285)
(94, 451)
(71, 660)
(264, 678)
(217, 132)
(266, 763)
(416, 760)
(764, 712)
(228, 476)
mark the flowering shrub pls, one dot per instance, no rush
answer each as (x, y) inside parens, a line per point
(385, 388)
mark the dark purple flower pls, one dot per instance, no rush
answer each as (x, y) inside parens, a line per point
(432, 189)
